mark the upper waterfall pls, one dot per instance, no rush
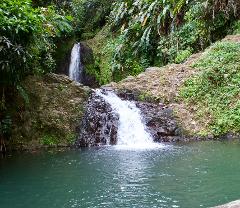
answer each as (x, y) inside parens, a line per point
(131, 129)
(75, 67)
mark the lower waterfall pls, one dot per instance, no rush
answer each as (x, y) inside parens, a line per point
(131, 129)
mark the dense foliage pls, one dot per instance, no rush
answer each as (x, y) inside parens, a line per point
(215, 91)
(26, 39)
(157, 32)
(89, 16)
(27, 45)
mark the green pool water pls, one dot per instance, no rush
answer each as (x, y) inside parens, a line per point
(200, 174)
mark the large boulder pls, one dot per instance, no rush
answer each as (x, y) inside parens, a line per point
(99, 125)
(234, 204)
(53, 114)
(160, 122)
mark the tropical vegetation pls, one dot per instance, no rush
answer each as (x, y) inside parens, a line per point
(215, 91)
(159, 32)
(127, 36)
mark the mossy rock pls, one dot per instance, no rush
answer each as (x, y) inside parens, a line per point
(54, 113)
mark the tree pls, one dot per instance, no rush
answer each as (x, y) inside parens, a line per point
(27, 45)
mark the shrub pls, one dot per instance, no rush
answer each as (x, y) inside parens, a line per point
(215, 91)
(27, 45)
(27, 39)
(159, 32)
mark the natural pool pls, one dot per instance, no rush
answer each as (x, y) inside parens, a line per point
(202, 174)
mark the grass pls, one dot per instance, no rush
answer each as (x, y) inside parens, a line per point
(236, 27)
(49, 140)
(215, 92)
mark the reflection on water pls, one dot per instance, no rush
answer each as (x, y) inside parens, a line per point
(195, 175)
(3, 155)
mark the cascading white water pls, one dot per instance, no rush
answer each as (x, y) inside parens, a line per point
(131, 129)
(75, 67)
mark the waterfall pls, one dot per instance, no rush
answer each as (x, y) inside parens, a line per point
(75, 67)
(131, 129)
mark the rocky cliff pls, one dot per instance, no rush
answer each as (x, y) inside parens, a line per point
(53, 114)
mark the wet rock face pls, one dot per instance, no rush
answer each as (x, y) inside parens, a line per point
(158, 118)
(99, 125)
(160, 122)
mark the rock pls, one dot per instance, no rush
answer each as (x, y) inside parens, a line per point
(129, 79)
(230, 136)
(54, 78)
(142, 75)
(99, 125)
(52, 117)
(63, 56)
(234, 204)
(160, 121)
(88, 62)
(150, 69)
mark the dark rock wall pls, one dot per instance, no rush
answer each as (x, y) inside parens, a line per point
(160, 122)
(99, 125)
(63, 64)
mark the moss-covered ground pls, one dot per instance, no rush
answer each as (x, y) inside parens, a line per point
(215, 91)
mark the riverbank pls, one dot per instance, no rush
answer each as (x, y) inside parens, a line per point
(177, 87)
